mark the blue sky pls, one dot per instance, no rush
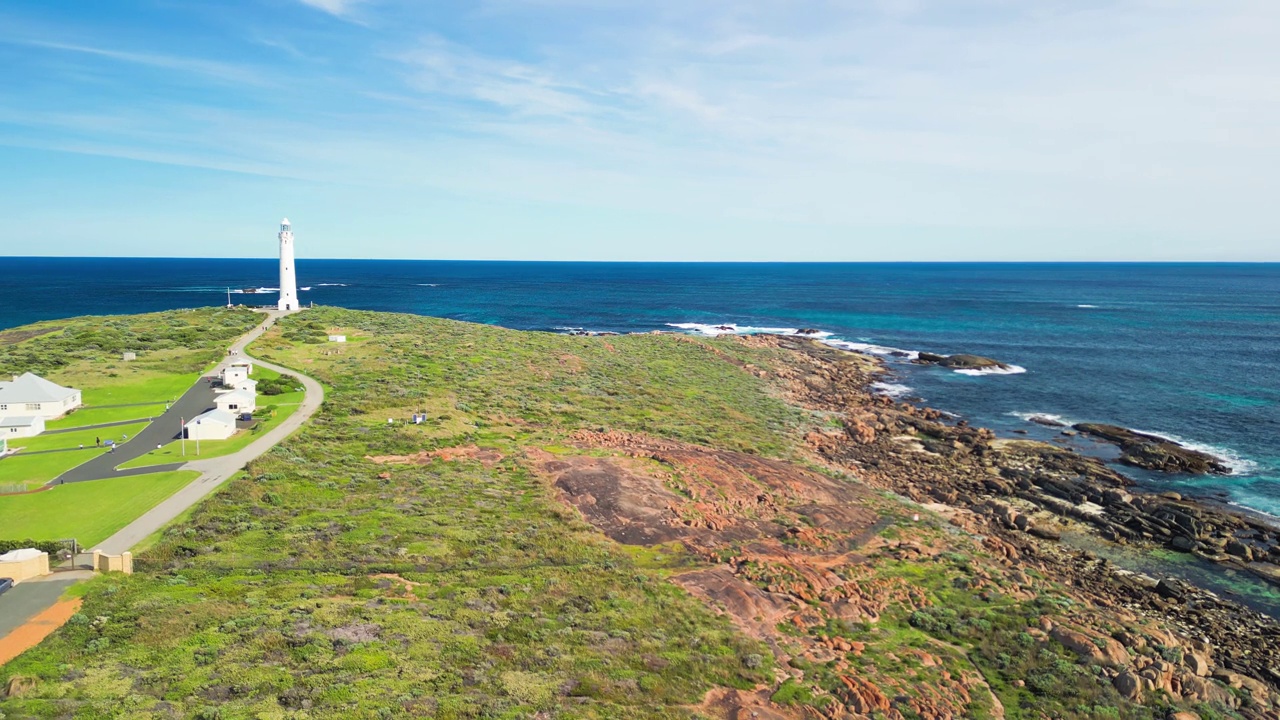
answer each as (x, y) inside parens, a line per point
(663, 130)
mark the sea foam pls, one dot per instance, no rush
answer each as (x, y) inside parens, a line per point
(716, 329)
(893, 390)
(1007, 370)
(1238, 465)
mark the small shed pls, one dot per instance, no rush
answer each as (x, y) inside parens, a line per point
(129, 355)
(20, 426)
(337, 338)
(212, 425)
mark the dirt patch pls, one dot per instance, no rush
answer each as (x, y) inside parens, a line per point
(485, 457)
(13, 337)
(39, 627)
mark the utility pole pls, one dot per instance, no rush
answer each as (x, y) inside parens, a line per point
(182, 433)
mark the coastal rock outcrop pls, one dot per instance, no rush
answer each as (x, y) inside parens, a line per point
(961, 362)
(1154, 453)
(1019, 493)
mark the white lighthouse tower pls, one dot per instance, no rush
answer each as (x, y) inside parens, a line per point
(288, 278)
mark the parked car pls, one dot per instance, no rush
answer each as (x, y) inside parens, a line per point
(5, 584)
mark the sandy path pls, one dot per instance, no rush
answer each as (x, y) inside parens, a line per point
(39, 627)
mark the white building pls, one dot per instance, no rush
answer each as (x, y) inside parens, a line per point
(337, 338)
(236, 401)
(235, 373)
(21, 426)
(31, 394)
(212, 425)
(247, 385)
(288, 277)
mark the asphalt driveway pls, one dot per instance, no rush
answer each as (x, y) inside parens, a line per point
(165, 428)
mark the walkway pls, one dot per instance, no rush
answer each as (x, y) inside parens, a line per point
(28, 617)
(215, 471)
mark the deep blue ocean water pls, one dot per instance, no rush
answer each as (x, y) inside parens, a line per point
(1187, 350)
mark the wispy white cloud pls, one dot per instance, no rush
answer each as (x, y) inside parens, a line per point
(227, 72)
(967, 115)
(340, 8)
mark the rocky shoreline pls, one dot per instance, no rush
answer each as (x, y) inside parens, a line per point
(1024, 494)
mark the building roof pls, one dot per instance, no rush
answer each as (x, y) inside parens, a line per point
(243, 396)
(21, 554)
(220, 417)
(32, 388)
(18, 421)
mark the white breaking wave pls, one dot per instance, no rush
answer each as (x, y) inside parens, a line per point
(428, 284)
(873, 349)
(714, 330)
(1086, 306)
(893, 390)
(1052, 417)
(1238, 465)
(1007, 370)
(331, 285)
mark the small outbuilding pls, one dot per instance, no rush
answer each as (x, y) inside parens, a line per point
(211, 425)
(128, 355)
(237, 401)
(248, 385)
(337, 338)
(21, 426)
(24, 564)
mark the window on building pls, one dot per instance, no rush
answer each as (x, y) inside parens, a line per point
(33, 406)
(4, 407)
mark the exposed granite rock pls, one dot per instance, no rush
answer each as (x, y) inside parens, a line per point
(1154, 453)
(960, 362)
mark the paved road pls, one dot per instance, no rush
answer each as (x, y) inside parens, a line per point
(80, 428)
(165, 428)
(28, 599)
(215, 471)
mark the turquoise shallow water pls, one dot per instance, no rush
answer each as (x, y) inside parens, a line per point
(1192, 351)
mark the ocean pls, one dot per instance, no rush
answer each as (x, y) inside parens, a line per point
(1191, 351)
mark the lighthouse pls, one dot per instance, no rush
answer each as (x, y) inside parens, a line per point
(288, 278)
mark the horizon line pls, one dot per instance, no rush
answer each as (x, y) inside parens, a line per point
(660, 262)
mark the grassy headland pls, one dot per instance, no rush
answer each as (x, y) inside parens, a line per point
(583, 527)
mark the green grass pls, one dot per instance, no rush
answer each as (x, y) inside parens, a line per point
(32, 471)
(89, 511)
(57, 441)
(98, 416)
(172, 452)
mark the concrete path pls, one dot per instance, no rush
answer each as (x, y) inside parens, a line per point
(215, 471)
(34, 612)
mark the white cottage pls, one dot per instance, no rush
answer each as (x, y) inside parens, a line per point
(236, 372)
(212, 425)
(31, 395)
(236, 401)
(21, 426)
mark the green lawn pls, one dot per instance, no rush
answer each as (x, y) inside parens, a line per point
(89, 511)
(57, 441)
(97, 416)
(172, 452)
(32, 471)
